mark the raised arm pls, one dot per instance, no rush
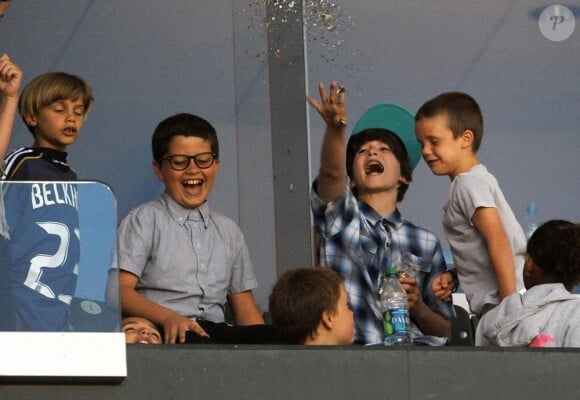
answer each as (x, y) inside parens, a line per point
(10, 79)
(134, 304)
(332, 174)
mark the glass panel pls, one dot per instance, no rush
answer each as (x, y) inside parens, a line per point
(57, 257)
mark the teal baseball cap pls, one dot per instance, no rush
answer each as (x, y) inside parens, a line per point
(397, 120)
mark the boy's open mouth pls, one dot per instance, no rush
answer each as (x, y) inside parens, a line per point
(192, 182)
(374, 167)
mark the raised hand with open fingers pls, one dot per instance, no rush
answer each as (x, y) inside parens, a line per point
(331, 106)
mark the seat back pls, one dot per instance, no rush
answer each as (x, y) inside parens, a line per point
(462, 333)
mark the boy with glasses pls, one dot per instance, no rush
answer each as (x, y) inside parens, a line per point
(180, 262)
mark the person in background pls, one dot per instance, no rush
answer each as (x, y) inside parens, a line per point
(140, 330)
(361, 230)
(547, 314)
(310, 306)
(487, 242)
(4, 7)
(179, 261)
(10, 80)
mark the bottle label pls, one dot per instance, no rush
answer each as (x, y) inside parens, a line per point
(396, 321)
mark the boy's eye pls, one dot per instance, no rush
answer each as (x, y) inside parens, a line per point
(385, 150)
(362, 151)
(179, 162)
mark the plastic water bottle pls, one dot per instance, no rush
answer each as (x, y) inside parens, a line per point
(395, 309)
(531, 223)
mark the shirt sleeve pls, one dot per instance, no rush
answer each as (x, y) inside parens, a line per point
(243, 277)
(134, 240)
(472, 192)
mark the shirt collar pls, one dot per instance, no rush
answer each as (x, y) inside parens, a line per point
(181, 214)
(394, 219)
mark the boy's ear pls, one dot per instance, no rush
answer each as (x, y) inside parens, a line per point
(467, 138)
(30, 119)
(327, 320)
(157, 170)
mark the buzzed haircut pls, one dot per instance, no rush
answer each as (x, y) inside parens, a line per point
(462, 112)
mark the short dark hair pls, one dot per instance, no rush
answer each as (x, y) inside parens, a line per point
(555, 247)
(182, 124)
(299, 298)
(356, 141)
(462, 112)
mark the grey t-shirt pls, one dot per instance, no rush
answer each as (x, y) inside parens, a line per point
(469, 191)
(187, 260)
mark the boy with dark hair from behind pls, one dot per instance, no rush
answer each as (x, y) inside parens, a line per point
(486, 240)
(310, 306)
(547, 314)
(361, 229)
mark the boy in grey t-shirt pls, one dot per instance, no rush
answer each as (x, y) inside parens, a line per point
(487, 242)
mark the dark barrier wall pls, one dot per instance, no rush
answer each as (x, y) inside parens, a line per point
(263, 372)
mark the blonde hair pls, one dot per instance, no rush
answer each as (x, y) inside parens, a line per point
(54, 86)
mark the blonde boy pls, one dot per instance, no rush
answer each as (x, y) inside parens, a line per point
(54, 107)
(487, 242)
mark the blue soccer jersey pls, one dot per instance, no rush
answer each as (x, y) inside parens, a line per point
(41, 249)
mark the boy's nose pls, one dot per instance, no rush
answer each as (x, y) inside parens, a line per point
(192, 166)
(144, 333)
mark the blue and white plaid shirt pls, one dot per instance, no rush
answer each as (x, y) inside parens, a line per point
(358, 243)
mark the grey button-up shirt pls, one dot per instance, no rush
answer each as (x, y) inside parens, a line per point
(187, 260)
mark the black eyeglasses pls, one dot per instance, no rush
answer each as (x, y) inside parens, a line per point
(180, 162)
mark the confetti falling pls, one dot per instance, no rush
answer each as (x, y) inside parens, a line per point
(324, 21)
